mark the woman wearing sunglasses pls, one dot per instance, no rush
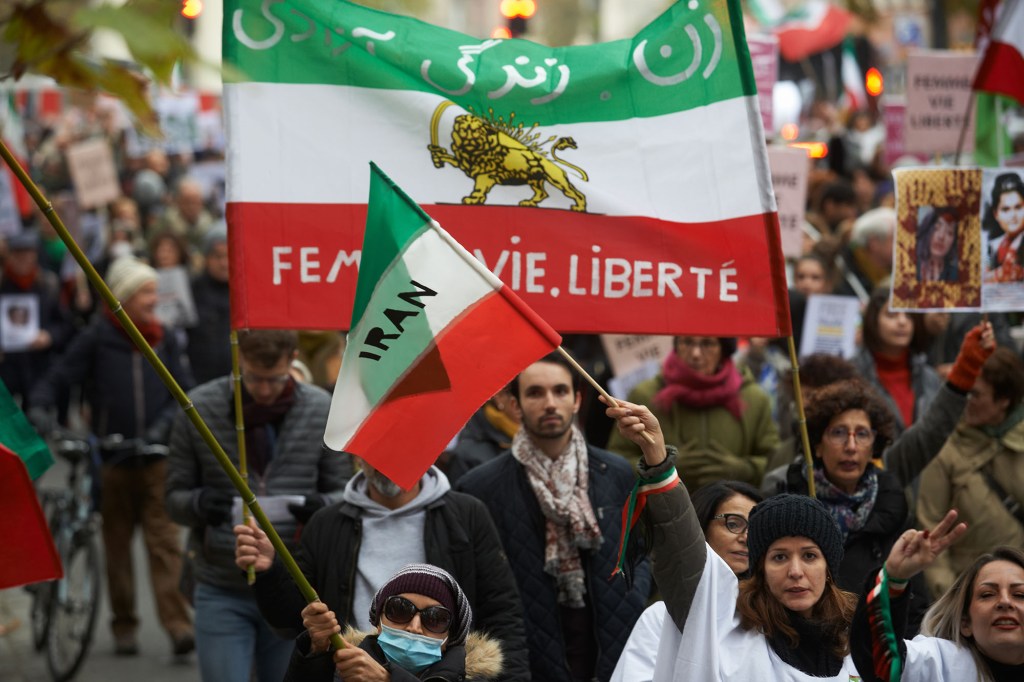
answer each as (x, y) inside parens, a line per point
(722, 509)
(422, 619)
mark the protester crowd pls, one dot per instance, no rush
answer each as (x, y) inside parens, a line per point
(508, 559)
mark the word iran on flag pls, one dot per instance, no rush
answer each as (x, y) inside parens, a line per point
(620, 187)
(433, 336)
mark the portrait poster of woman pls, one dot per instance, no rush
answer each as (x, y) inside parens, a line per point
(1002, 222)
(937, 254)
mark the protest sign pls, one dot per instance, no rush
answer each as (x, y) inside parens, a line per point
(19, 321)
(830, 325)
(790, 168)
(894, 115)
(93, 173)
(938, 94)
(764, 57)
(175, 307)
(937, 242)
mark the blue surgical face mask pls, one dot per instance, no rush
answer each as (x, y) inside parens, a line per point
(412, 652)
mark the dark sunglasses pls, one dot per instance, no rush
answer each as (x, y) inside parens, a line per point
(436, 619)
(734, 523)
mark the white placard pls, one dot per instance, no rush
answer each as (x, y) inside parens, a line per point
(789, 169)
(91, 165)
(19, 321)
(938, 94)
(830, 326)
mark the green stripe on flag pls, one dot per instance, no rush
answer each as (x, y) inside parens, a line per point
(20, 438)
(685, 59)
(393, 221)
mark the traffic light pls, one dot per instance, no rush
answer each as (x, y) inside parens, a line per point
(516, 12)
(190, 9)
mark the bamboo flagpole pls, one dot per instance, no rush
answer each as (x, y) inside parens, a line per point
(249, 499)
(243, 468)
(802, 418)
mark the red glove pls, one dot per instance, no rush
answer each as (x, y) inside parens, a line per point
(974, 351)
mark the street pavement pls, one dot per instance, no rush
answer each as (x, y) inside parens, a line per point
(155, 662)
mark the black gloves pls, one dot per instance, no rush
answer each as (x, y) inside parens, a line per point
(302, 512)
(214, 506)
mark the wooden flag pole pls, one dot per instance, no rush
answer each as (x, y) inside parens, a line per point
(802, 418)
(308, 593)
(604, 394)
(243, 469)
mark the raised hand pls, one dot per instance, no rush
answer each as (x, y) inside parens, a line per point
(916, 550)
(320, 623)
(252, 547)
(633, 422)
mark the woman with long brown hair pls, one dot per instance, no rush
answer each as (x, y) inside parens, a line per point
(788, 621)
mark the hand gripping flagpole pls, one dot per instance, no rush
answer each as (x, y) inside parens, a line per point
(308, 593)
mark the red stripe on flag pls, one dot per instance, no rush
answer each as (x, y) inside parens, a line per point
(635, 256)
(1002, 71)
(487, 345)
(27, 553)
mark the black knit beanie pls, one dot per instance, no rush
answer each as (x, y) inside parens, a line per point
(793, 516)
(429, 581)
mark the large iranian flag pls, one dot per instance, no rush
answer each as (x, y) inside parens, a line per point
(620, 187)
(434, 334)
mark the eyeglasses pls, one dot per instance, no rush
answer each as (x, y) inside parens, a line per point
(277, 381)
(734, 523)
(705, 345)
(840, 435)
(436, 619)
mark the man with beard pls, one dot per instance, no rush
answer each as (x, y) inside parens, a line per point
(284, 424)
(557, 502)
(350, 549)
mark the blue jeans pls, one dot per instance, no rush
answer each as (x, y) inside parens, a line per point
(232, 638)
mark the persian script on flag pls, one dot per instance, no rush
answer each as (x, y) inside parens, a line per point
(620, 187)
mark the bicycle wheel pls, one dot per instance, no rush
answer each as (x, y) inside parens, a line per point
(74, 607)
(41, 593)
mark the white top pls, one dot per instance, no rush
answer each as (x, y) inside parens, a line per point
(636, 664)
(930, 659)
(713, 647)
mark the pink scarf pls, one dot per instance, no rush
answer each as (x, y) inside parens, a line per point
(690, 388)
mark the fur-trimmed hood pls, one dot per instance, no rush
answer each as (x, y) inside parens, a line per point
(483, 654)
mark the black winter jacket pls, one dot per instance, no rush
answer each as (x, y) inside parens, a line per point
(209, 345)
(503, 486)
(126, 394)
(459, 537)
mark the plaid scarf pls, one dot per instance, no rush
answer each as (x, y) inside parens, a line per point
(850, 511)
(561, 489)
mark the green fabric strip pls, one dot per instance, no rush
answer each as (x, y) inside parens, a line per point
(684, 59)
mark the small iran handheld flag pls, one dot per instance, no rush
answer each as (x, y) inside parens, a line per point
(433, 335)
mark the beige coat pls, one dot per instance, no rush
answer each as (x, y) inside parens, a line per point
(955, 480)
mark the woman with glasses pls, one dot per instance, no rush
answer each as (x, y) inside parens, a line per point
(716, 414)
(422, 620)
(722, 509)
(980, 471)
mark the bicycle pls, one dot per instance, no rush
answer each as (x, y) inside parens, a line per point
(64, 611)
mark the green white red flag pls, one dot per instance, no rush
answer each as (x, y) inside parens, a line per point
(620, 187)
(433, 335)
(27, 554)
(1002, 68)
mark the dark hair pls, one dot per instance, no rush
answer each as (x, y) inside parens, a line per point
(179, 243)
(267, 347)
(727, 344)
(759, 610)
(827, 269)
(926, 229)
(707, 499)
(1004, 184)
(852, 394)
(554, 358)
(876, 304)
(821, 369)
(1004, 372)
(839, 192)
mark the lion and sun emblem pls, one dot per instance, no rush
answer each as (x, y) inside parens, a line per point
(495, 152)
